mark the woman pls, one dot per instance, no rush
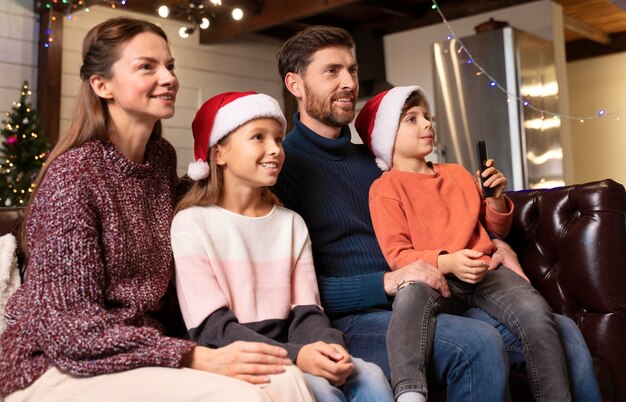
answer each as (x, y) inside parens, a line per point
(100, 258)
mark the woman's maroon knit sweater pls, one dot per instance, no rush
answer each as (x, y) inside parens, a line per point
(100, 261)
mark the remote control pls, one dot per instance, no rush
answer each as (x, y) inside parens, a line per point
(481, 153)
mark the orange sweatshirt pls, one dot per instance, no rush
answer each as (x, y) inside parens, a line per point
(419, 216)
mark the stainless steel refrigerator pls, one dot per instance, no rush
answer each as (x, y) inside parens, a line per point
(469, 106)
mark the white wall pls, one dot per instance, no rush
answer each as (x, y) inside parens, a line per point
(203, 71)
(19, 30)
(408, 54)
(600, 144)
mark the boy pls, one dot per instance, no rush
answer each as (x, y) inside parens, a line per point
(435, 213)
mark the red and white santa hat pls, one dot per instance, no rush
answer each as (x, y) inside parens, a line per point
(221, 115)
(378, 122)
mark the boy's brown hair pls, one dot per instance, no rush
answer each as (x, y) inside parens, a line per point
(417, 98)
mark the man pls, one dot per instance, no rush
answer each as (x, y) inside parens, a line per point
(326, 180)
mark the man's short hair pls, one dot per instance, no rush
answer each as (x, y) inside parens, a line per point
(296, 53)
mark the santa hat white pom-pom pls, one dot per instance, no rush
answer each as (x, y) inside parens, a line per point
(198, 170)
(382, 164)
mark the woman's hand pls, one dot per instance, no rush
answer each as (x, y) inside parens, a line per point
(330, 361)
(248, 361)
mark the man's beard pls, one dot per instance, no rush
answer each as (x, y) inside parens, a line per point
(316, 107)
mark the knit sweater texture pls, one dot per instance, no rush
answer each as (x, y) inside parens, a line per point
(100, 262)
(248, 278)
(327, 181)
(418, 216)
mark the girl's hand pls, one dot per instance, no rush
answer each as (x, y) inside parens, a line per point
(497, 181)
(464, 264)
(248, 361)
(325, 360)
(345, 356)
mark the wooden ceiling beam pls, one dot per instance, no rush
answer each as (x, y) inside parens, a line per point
(619, 4)
(274, 13)
(585, 30)
(585, 49)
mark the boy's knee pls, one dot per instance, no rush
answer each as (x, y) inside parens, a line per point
(533, 309)
(411, 292)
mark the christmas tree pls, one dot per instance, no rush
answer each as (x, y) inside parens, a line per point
(22, 153)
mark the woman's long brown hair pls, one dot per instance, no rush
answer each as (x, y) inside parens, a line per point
(90, 119)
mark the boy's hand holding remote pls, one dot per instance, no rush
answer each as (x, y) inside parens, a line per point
(495, 180)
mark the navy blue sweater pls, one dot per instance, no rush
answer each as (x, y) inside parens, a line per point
(327, 182)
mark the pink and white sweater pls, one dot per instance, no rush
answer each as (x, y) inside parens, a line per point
(248, 278)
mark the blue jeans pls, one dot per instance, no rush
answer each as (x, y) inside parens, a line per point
(582, 378)
(504, 295)
(367, 383)
(470, 353)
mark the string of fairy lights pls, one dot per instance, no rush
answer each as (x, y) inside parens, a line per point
(493, 83)
(67, 7)
(73, 5)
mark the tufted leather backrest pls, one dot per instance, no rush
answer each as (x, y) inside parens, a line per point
(11, 219)
(571, 243)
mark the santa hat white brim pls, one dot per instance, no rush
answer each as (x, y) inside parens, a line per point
(242, 110)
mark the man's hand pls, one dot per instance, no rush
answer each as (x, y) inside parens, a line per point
(464, 264)
(329, 361)
(505, 255)
(416, 271)
(247, 361)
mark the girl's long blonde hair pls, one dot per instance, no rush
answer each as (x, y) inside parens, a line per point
(90, 119)
(209, 191)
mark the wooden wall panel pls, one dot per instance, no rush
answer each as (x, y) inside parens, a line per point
(18, 56)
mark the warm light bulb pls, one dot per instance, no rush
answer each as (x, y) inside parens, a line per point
(184, 32)
(164, 11)
(205, 23)
(216, 2)
(237, 14)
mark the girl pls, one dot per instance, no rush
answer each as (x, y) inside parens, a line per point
(100, 259)
(244, 268)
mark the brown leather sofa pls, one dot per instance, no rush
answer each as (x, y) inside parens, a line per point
(571, 242)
